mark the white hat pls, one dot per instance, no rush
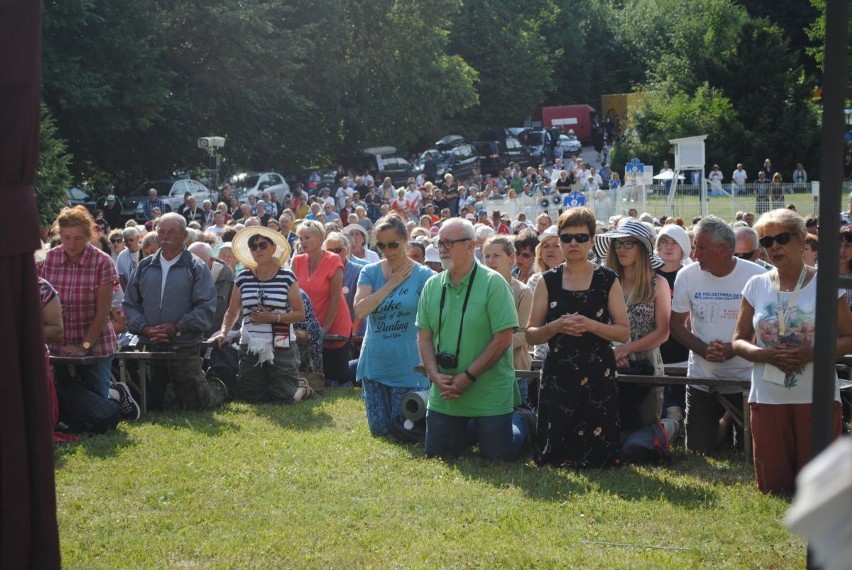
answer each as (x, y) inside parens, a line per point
(678, 234)
(111, 197)
(356, 227)
(432, 255)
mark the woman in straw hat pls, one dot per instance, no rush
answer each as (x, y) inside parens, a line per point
(267, 297)
(629, 251)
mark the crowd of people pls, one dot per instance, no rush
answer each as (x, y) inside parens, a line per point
(363, 284)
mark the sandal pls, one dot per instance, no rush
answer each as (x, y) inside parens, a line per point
(304, 391)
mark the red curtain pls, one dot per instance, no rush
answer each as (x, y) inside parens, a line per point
(28, 531)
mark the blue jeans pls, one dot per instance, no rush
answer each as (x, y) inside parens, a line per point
(447, 436)
(93, 377)
(383, 403)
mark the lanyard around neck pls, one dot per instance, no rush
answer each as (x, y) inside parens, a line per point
(783, 312)
(464, 309)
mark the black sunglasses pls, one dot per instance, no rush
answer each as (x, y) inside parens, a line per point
(846, 237)
(121, 240)
(783, 238)
(261, 245)
(746, 255)
(390, 244)
(568, 238)
(335, 249)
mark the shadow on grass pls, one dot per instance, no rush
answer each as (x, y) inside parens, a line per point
(207, 422)
(307, 415)
(99, 446)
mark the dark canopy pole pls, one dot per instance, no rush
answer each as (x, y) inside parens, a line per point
(28, 530)
(831, 188)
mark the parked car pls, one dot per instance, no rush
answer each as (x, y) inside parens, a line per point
(171, 191)
(255, 183)
(511, 148)
(571, 145)
(381, 161)
(449, 142)
(459, 161)
(77, 197)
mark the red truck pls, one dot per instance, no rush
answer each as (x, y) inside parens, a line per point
(582, 119)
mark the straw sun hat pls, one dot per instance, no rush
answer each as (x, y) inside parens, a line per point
(240, 245)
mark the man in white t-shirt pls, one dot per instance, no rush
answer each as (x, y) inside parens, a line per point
(707, 294)
(343, 192)
(128, 259)
(740, 177)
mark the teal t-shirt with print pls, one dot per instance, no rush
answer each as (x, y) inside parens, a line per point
(490, 309)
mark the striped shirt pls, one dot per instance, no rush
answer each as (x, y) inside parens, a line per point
(272, 294)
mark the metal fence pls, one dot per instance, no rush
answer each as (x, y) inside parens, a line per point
(723, 201)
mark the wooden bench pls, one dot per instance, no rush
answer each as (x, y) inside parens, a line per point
(122, 357)
(676, 375)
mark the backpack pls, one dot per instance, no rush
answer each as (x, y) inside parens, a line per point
(649, 444)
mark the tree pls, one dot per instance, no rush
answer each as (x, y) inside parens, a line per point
(53, 176)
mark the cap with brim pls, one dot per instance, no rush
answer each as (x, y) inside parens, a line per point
(219, 247)
(629, 227)
(111, 198)
(506, 218)
(356, 228)
(240, 245)
(432, 255)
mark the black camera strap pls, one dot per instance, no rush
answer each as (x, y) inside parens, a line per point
(464, 309)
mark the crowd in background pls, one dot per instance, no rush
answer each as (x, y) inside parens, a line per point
(330, 283)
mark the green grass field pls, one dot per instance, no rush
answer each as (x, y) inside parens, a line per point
(306, 486)
(725, 207)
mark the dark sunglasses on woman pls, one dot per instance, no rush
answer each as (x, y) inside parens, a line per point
(783, 239)
(568, 238)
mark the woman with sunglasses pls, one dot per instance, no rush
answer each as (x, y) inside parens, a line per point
(628, 251)
(578, 309)
(388, 292)
(775, 330)
(320, 275)
(267, 298)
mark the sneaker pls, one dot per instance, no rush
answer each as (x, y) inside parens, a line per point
(130, 410)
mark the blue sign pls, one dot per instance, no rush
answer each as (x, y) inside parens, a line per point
(573, 200)
(635, 167)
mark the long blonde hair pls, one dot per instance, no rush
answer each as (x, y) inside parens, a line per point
(643, 287)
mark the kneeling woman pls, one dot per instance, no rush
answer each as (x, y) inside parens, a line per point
(267, 296)
(388, 293)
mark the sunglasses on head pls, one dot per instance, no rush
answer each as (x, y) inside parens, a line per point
(783, 239)
(390, 244)
(261, 245)
(568, 238)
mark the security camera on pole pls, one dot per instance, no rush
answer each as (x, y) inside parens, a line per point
(212, 146)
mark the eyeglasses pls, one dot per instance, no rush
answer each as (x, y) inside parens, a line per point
(568, 238)
(449, 243)
(624, 244)
(118, 240)
(783, 239)
(846, 237)
(747, 255)
(390, 244)
(335, 249)
(261, 245)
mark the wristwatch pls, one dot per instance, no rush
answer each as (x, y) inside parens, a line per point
(87, 346)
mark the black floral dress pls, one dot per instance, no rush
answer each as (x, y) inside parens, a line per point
(578, 424)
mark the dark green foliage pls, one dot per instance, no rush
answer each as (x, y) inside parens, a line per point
(53, 176)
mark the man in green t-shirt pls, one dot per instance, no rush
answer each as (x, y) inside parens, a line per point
(465, 320)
